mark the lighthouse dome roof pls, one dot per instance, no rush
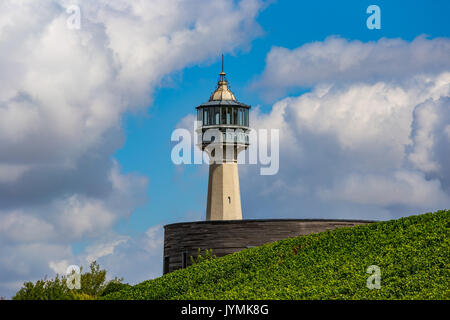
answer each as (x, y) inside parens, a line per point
(222, 91)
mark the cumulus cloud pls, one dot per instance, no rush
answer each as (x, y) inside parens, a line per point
(430, 150)
(368, 141)
(62, 97)
(341, 60)
(405, 188)
(76, 216)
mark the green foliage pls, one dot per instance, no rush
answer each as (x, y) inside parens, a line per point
(92, 285)
(413, 254)
(202, 257)
(77, 295)
(114, 286)
(93, 282)
(53, 289)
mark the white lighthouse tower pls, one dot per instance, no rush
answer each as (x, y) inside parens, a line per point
(224, 128)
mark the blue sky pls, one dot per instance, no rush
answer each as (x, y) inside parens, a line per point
(87, 112)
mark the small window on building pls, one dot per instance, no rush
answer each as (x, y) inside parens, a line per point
(229, 200)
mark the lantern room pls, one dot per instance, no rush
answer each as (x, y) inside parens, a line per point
(225, 114)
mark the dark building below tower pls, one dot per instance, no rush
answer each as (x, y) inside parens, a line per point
(182, 240)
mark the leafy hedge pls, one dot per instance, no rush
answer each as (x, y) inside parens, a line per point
(93, 285)
(412, 253)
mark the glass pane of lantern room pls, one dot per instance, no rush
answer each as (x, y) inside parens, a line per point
(211, 116)
(224, 115)
(217, 115)
(205, 117)
(229, 115)
(235, 115)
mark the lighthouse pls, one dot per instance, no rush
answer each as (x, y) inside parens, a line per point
(223, 129)
(222, 133)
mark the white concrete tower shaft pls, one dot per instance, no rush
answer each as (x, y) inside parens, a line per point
(224, 197)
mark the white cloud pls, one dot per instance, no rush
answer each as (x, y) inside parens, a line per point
(153, 238)
(59, 267)
(406, 188)
(431, 149)
(29, 261)
(80, 216)
(339, 60)
(17, 226)
(103, 249)
(10, 172)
